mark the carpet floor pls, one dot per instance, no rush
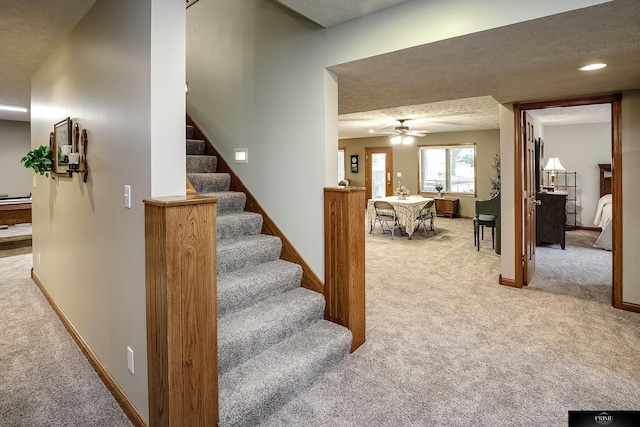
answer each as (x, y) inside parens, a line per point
(45, 380)
(447, 346)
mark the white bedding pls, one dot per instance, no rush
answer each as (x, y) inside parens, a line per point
(603, 211)
(603, 220)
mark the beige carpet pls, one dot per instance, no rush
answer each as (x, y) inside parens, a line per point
(447, 346)
(45, 380)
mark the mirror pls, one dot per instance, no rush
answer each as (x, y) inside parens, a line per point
(61, 146)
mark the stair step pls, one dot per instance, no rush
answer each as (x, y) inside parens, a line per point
(247, 252)
(201, 164)
(256, 389)
(190, 130)
(241, 288)
(237, 224)
(245, 333)
(228, 201)
(195, 147)
(209, 182)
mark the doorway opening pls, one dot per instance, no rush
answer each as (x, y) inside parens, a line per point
(378, 171)
(526, 189)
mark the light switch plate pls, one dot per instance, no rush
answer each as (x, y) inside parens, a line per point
(127, 196)
(130, 361)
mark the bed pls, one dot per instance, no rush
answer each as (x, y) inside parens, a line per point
(604, 211)
(15, 210)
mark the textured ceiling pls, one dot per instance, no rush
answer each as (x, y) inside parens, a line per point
(534, 60)
(333, 12)
(30, 31)
(444, 116)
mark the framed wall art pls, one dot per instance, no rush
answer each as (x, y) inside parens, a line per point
(62, 145)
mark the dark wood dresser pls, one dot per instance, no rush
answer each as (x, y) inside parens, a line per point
(446, 206)
(551, 218)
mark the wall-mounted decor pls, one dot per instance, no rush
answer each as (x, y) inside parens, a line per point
(61, 146)
(69, 150)
(354, 163)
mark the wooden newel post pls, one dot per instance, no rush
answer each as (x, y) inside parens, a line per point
(344, 288)
(182, 346)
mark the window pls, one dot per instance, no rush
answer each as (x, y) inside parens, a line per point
(452, 166)
(340, 164)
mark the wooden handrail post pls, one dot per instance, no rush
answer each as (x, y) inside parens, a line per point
(344, 287)
(182, 346)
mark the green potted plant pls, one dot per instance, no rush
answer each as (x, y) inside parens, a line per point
(495, 180)
(40, 160)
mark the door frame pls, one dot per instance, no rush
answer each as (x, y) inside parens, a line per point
(616, 184)
(388, 150)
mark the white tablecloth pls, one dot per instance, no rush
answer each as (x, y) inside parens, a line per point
(406, 210)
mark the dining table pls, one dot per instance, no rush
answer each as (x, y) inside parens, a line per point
(407, 210)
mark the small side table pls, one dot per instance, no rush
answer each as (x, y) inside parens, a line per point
(446, 206)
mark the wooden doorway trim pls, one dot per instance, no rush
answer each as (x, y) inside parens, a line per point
(616, 182)
(368, 151)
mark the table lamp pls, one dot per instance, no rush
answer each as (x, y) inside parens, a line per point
(553, 165)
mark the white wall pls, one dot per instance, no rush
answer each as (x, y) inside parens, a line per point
(15, 142)
(507, 194)
(631, 201)
(105, 76)
(580, 148)
(256, 78)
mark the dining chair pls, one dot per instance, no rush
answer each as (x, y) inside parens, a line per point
(487, 213)
(426, 213)
(385, 214)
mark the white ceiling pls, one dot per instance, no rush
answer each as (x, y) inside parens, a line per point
(31, 30)
(333, 12)
(599, 113)
(534, 60)
(444, 116)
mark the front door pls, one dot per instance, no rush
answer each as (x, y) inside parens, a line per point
(529, 200)
(378, 171)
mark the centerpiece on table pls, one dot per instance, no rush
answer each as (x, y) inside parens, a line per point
(439, 189)
(402, 192)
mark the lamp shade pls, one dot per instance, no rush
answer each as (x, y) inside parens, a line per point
(553, 164)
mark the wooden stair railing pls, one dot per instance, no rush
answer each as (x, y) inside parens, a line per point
(182, 333)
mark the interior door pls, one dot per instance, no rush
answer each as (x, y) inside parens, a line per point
(378, 171)
(529, 200)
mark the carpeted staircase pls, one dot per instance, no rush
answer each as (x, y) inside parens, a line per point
(272, 339)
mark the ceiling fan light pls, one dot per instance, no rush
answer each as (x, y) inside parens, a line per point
(396, 139)
(407, 140)
(592, 67)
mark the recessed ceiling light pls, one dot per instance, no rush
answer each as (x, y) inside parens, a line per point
(591, 67)
(371, 131)
(12, 108)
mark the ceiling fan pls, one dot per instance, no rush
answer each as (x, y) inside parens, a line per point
(403, 135)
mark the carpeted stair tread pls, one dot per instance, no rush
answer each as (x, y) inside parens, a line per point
(272, 341)
(232, 225)
(247, 252)
(247, 286)
(228, 201)
(195, 147)
(243, 334)
(209, 182)
(257, 388)
(201, 164)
